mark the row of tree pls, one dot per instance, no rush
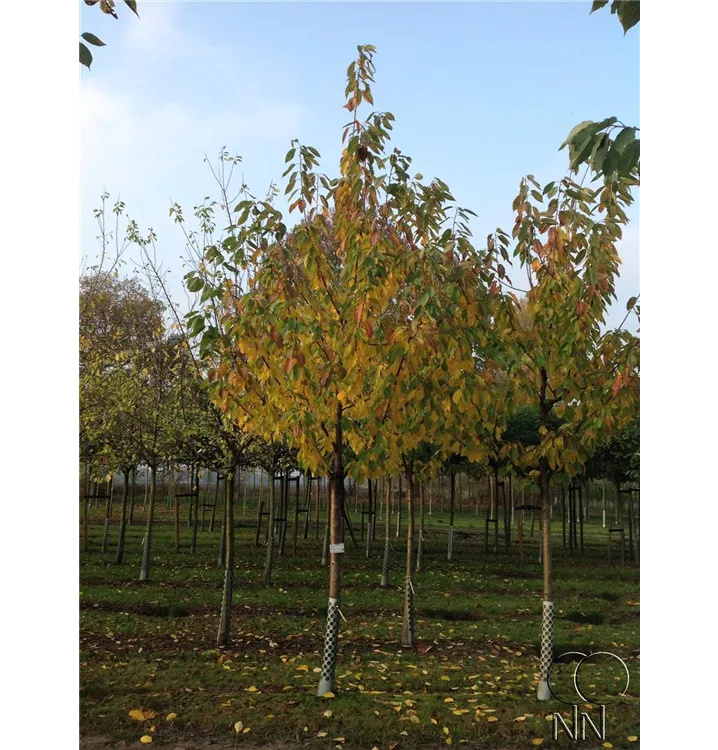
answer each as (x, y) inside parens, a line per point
(371, 339)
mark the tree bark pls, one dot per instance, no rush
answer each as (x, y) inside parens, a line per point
(407, 628)
(225, 617)
(269, 561)
(326, 683)
(123, 517)
(452, 494)
(147, 541)
(420, 548)
(387, 537)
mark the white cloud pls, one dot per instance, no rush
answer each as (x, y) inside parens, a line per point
(160, 35)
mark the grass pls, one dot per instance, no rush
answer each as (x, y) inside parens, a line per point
(470, 681)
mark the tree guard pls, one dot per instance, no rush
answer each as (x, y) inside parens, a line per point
(329, 659)
(544, 692)
(146, 543)
(385, 563)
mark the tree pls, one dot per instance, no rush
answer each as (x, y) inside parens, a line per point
(343, 314)
(560, 360)
(107, 7)
(119, 326)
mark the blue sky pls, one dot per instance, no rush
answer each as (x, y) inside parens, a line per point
(483, 93)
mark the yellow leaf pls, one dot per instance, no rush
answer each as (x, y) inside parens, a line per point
(445, 730)
(537, 741)
(252, 689)
(415, 719)
(448, 740)
(171, 717)
(327, 714)
(328, 695)
(607, 745)
(444, 677)
(434, 721)
(238, 727)
(491, 718)
(145, 739)
(632, 738)
(321, 734)
(448, 700)
(139, 714)
(245, 730)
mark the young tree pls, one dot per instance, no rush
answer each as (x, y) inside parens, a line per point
(343, 314)
(560, 359)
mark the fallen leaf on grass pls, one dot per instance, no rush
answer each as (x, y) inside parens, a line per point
(139, 714)
(491, 718)
(537, 741)
(328, 695)
(632, 738)
(171, 717)
(238, 727)
(145, 739)
(607, 745)
(327, 714)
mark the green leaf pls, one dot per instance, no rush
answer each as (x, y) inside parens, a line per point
(626, 136)
(92, 39)
(599, 154)
(575, 131)
(194, 284)
(631, 302)
(132, 5)
(85, 56)
(629, 14)
(597, 5)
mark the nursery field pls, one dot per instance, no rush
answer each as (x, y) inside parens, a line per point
(149, 667)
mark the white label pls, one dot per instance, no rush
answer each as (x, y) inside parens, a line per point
(336, 549)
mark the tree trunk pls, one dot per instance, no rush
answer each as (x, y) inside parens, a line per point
(580, 518)
(452, 494)
(132, 496)
(195, 520)
(86, 519)
(420, 548)
(176, 520)
(631, 549)
(398, 511)
(106, 528)
(225, 617)
(547, 616)
(269, 561)
(214, 507)
(407, 628)
(367, 551)
(387, 537)
(147, 541)
(326, 683)
(123, 517)
(222, 554)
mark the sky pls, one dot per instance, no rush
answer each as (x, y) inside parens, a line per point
(483, 94)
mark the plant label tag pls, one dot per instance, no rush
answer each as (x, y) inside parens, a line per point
(336, 549)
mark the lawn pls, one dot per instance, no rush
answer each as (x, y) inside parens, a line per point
(471, 679)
